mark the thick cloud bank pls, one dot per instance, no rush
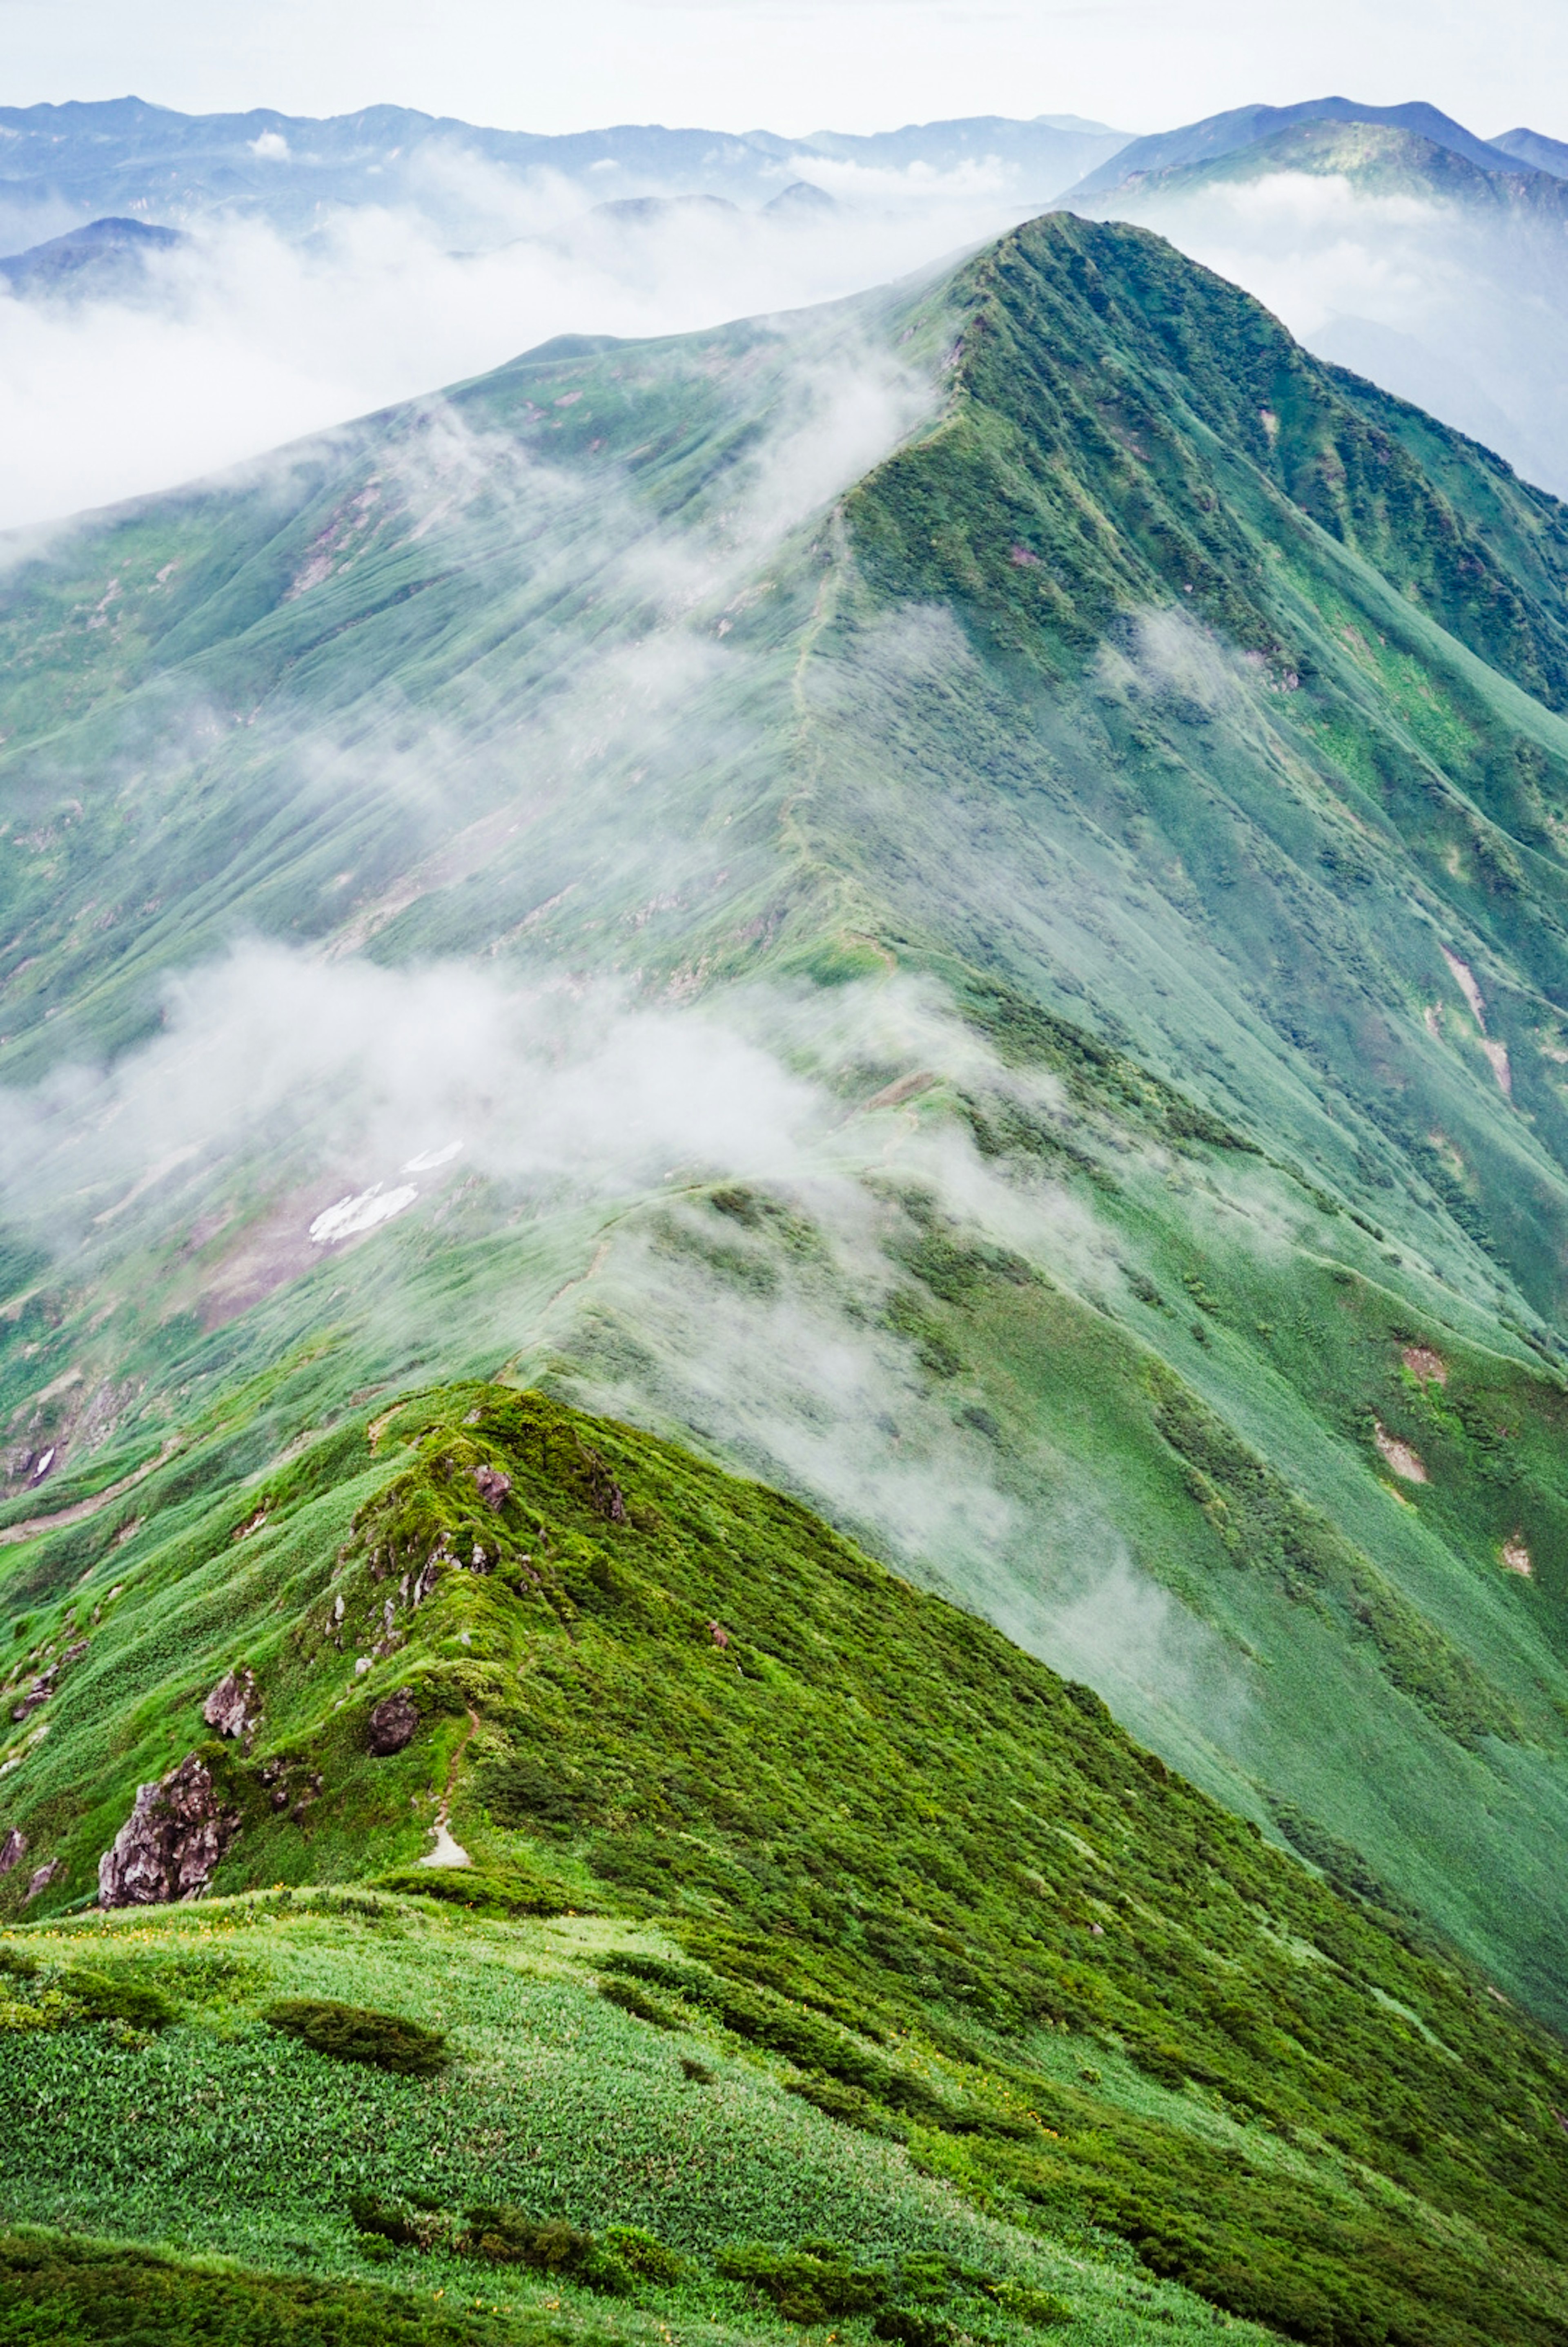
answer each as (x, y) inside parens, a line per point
(240, 340)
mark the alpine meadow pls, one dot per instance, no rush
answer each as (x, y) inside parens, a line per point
(784, 1334)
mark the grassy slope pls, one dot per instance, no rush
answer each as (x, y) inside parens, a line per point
(940, 1890)
(1232, 852)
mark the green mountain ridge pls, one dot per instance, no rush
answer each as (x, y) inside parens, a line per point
(958, 902)
(793, 1814)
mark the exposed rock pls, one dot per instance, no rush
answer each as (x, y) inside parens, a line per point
(42, 1689)
(171, 1841)
(234, 1707)
(13, 1849)
(393, 1724)
(45, 1875)
(493, 1486)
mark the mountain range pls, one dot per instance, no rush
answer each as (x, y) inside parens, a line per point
(124, 157)
(933, 931)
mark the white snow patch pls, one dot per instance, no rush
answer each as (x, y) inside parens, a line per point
(447, 1851)
(362, 1213)
(429, 1159)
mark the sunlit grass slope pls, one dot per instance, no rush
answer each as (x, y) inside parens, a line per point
(899, 1944)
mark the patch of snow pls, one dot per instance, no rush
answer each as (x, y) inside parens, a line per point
(447, 1851)
(429, 1159)
(361, 1212)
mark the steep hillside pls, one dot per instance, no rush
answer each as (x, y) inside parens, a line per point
(805, 1829)
(960, 900)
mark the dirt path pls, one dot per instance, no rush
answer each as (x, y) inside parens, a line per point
(447, 1851)
(85, 1508)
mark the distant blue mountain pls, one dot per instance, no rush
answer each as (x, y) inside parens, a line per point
(1532, 146)
(106, 256)
(1245, 126)
(130, 160)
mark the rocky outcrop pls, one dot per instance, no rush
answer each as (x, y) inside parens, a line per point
(171, 1841)
(13, 1849)
(393, 1724)
(43, 1875)
(493, 1486)
(234, 1705)
(42, 1687)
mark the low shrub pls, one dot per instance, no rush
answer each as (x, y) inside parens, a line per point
(1026, 2303)
(507, 2236)
(104, 1996)
(683, 1980)
(347, 2032)
(814, 2283)
(633, 1999)
(514, 1892)
(642, 2254)
(410, 2224)
(851, 2105)
(92, 2294)
(913, 2326)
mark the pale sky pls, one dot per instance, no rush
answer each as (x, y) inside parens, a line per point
(794, 66)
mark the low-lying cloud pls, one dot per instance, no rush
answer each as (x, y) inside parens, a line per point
(240, 340)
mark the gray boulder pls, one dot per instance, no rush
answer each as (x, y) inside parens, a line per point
(171, 1841)
(393, 1724)
(234, 1707)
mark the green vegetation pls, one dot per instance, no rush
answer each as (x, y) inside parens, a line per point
(896, 1865)
(349, 2034)
(66, 2290)
(1141, 810)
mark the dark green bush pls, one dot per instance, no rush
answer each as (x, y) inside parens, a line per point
(633, 1999)
(104, 1997)
(815, 2283)
(851, 2105)
(89, 2294)
(414, 2222)
(507, 2236)
(684, 1980)
(517, 1891)
(644, 2256)
(512, 2238)
(349, 2034)
(913, 2326)
(1028, 2304)
(20, 1962)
